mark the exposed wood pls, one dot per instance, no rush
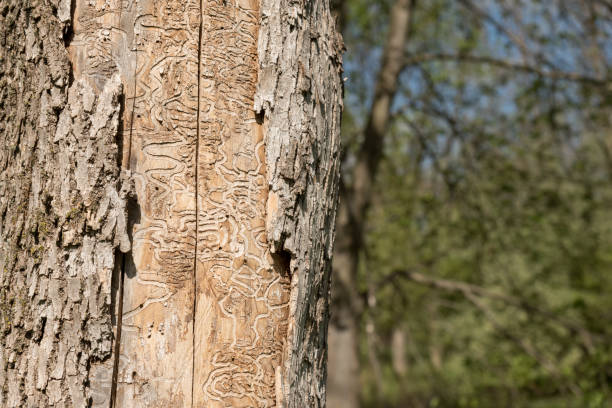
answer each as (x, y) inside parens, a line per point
(155, 49)
(156, 350)
(242, 296)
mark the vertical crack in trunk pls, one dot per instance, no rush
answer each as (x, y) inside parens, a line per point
(257, 330)
(117, 345)
(195, 253)
(126, 166)
(242, 304)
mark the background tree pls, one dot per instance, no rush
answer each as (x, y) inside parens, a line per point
(481, 266)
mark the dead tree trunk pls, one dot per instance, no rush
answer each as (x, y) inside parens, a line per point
(168, 188)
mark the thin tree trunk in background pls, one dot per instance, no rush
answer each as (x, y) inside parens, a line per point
(207, 134)
(343, 377)
(343, 366)
(398, 351)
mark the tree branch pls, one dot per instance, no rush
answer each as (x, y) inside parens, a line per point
(469, 290)
(516, 39)
(504, 64)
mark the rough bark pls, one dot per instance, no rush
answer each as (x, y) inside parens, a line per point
(62, 210)
(225, 119)
(354, 204)
(300, 93)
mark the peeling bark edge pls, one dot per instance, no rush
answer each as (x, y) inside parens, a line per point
(299, 93)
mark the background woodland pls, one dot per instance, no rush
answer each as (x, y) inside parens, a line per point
(474, 247)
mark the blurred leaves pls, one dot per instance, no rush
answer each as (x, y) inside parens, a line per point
(498, 177)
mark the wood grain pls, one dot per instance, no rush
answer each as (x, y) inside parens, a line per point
(242, 299)
(154, 45)
(241, 308)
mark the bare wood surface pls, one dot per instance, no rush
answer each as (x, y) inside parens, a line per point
(242, 295)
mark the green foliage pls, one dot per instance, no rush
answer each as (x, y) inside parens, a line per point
(500, 178)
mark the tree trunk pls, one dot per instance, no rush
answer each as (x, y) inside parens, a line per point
(168, 195)
(344, 388)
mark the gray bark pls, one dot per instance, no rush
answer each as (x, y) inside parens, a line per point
(303, 110)
(62, 215)
(65, 183)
